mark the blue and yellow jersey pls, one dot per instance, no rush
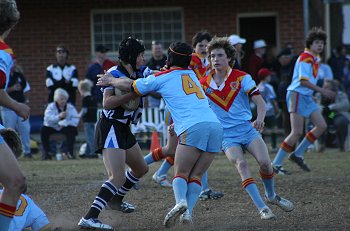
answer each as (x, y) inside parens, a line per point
(182, 94)
(200, 65)
(230, 101)
(306, 68)
(6, 63)
(28, 215)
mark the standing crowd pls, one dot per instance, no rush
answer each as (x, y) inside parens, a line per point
(212, 105)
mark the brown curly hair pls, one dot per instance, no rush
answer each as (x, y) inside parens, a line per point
(12, 140)
(222, 42)
(316, 33)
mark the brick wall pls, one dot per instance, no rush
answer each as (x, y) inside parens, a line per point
(44, 24)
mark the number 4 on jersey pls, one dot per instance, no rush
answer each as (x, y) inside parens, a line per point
(190, 87)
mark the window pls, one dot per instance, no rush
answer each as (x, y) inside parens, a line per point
(109, 27)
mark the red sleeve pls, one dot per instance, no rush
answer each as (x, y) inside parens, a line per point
(2, 80)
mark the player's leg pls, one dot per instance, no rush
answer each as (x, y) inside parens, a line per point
(194, 186)
(259, 150)
(235, 156)
(185, 159)
(297, 126)
(162, 152)
(310, 137)
(319, 128)
(137, 169)
(114, 160)
(14, 183)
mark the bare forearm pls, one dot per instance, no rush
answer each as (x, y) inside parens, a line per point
(7, 101)
(111, 102)
(123, 84)
(313, 87)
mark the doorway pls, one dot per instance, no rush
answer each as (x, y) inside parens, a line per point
(253, 27)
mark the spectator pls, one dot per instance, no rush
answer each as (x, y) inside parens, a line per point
(237, 42)
(336, 113)
(257, 60)
(89, 115)
(346, 72)
(59, 117)
(324, 72)
(337, 62)
(62, 75)
(17, 89)
(272, 109)
(284, 72)
(156, 62)
(101, 64)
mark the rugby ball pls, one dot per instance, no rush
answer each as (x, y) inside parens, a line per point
(132, 105)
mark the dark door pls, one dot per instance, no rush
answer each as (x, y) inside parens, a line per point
(254, 28)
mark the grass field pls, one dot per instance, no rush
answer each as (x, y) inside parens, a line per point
(65, 190)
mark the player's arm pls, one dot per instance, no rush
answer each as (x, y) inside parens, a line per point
(111, 101)
(107, 79)
(261, 112)
(21, 109)
(325, 92)
(305, 73)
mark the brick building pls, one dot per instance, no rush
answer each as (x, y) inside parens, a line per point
(82, 25)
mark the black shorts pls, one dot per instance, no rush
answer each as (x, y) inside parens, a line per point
(113, 134)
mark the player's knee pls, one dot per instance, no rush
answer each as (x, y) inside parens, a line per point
(18, 184)
(141, 171)
(265, 167)
(322, 127)
(241, 164)
(297, 134)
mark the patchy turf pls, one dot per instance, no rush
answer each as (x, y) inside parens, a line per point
(65, 190)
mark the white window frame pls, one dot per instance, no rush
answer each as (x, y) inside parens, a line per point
(114, 53)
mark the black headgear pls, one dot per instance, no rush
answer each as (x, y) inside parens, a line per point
(129, 49)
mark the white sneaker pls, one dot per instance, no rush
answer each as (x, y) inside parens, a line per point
(93, 224)
(267, 214)
(186, 218)
(284, 204)
(174, 213)
(161, 180)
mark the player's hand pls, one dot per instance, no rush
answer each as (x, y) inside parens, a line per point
(328, 93)
(104, 79)
(171, 130)
(259, 125)
(23, 111)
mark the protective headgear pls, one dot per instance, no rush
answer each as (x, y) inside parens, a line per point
(129, 49)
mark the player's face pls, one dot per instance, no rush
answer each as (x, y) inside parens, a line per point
(219, 59)
(317, 46)
(201, 48)
(140, 60)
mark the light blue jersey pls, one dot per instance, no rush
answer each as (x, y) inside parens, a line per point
(230, 101)
(306, 68)
(182, 94)
(28, 215)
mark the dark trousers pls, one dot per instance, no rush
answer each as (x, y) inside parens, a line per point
(70, 132)
(339, 127)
